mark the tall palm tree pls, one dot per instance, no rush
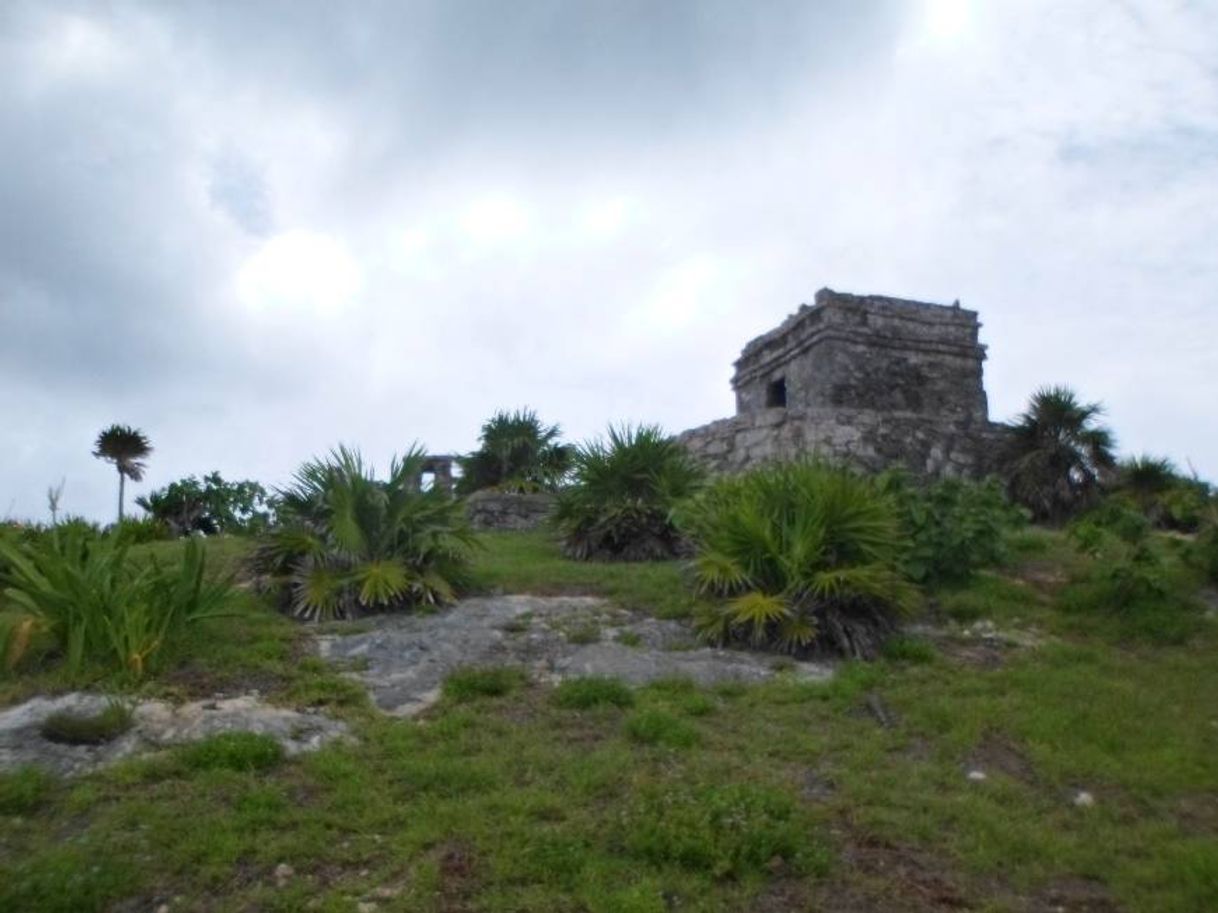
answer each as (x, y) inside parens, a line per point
(127, 448)
(1058, 454)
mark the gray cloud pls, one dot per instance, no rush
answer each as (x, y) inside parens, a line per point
(255, 230)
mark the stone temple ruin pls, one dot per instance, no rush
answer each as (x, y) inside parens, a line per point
(874, 381)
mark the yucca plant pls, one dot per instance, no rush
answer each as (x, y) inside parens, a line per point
(350, 543)
(619, 505)
(805, 554)
(517, 452)
(85, 599)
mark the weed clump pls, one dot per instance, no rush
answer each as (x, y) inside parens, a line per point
(472, 682)
(585, 693)
(728, 831)
(244, 752)
(69, 728)
(657, 727)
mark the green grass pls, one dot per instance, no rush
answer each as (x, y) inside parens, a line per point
(532, 563)
(584, 693)
(473, 682)
(594, 796)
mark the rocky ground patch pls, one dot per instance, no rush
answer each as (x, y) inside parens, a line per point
(404, 659)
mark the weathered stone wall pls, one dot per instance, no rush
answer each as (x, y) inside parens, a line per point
(865, 438)
(874, 381)
(506, 510)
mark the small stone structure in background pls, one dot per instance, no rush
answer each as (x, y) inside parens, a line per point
(874, 381)
(490, 509)
(440, 467)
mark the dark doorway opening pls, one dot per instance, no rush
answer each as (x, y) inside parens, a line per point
(776, 394)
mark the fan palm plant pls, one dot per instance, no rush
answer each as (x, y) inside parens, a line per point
(127, 448)
(804, 554)
(349, 542)
(517, 452)
(1058, 454)
(619, 506)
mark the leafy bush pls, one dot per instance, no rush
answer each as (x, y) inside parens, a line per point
(243, 752)
(583, 693)
(1203, 553)
(209, 506)
(1168, 499)
(517, 452)
(1141, 594)
(1058, 454)
(81, 596)
(619, 505)
(729, 831)
(472, 682)
(804, 552)
(70, 728)
(350, 542)
(1113, 518)
(953, 526)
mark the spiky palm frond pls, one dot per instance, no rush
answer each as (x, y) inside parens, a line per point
(622, 496)
(352, 542)
(517, 452)
(126, 447)
(1058, 455)
(788, 544)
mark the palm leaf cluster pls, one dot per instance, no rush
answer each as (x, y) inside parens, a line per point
(619, 505)
(349, 542)
(517, 452)
(127, 448)
(80, 596)
(1058, 454)
(804, 553)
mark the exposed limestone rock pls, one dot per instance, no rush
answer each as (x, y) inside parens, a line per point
(874, 381)
(406, 659)
(155, 724)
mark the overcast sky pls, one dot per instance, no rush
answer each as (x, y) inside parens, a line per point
(255, 230)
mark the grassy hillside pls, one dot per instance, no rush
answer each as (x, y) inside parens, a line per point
(514, 796)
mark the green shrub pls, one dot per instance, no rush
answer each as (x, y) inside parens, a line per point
(1138, 593)
(83, 597)
(1113, 517)
(1203, 553)
(953, 526)
(620, 502)
(244, 752)
(583, 693)
(803, 552)
(23, 790)
(728, 831)
(350, 542)
(657, 727)
(140, 531)
(1167, 498)
(70, 728)
(516, 452)
(210, 506)
(472, 682)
